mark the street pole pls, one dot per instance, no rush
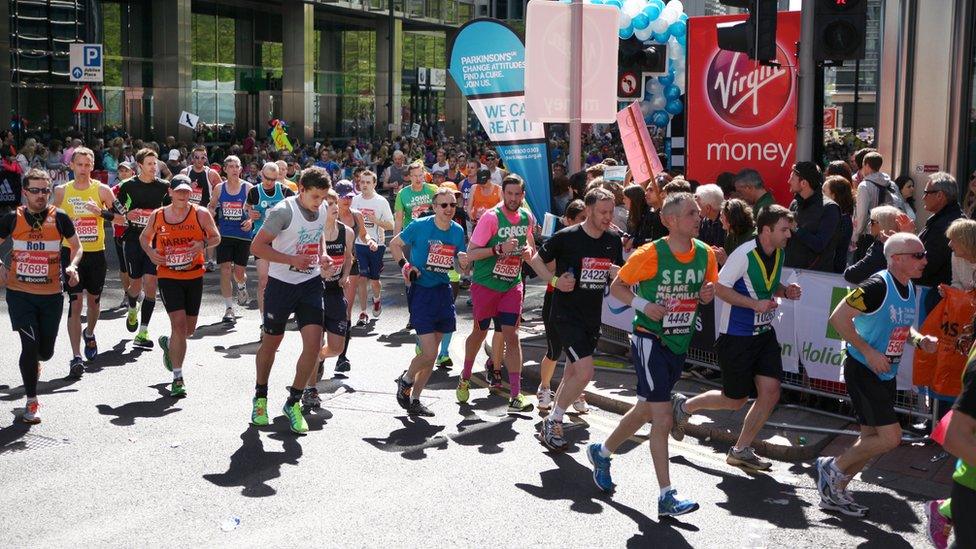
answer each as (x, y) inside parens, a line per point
(806, 87)
(389, 84)
(575, 87)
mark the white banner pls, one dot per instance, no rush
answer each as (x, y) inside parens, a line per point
(503, 119)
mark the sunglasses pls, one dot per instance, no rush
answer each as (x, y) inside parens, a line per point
(447, 205)
(38, 190)
(916, 255)
(929, 191)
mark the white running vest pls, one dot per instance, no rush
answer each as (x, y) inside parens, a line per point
(300, 238)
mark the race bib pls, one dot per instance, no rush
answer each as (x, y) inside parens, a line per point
(32, 267)
(142, 217)
(196, 196)
(440, 258)
(595, 272)
(232, 211)
(367, 215)
(336, 271)
(508, 267)
(312, 250)
(896, 344)
(178, 258)
(761, 321)
(419, 211)
(679, 315)
(87, 228)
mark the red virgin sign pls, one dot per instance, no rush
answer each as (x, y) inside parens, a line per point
(741, 114)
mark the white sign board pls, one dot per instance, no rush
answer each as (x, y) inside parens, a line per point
(85, 63)
(438, 78)
(547, 71)
(415, 131)
(189, 120)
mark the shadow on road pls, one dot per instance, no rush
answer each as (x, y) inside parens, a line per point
(116, 356)
(488, 436)
(252, 467)
(219, 328)
(413, 440)
(55, 386)
(397, 339)
(239, 350)
(126, 414)
(11, 435)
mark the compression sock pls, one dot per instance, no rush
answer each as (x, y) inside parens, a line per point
(515, 380)
(261, 391)
(446, 345)
(145, 315)
(468, 367)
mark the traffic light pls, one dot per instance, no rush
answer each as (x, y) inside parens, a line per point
(839, 28)
(756, 36)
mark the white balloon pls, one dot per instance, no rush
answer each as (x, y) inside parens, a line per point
(676, 5)
(623, 20)
(646, 108)
(659, 25)
(675, 50)
(633, 7)
(679, 80)
(643, 34)
(678, 64)
(658, 101)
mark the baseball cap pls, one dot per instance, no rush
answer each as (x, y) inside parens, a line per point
(127, 165)
(450, 185)
(484, 174)
(345, 189)
(180, 183)
(215, 167)
(174, 154)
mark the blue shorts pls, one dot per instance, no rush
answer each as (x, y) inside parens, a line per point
(432, 309)
(658, 369)
(370, 263)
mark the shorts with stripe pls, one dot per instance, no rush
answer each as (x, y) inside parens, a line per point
(577, 339)
(658, 369)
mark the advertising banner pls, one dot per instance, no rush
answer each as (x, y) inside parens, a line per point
(741, 114)
(488, 65)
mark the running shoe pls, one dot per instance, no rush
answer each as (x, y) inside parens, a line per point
(310, 398)
(465, 284)
(210, 266)
(601, 468)
(32, 414)
(519, 404)
(463, 391)
(76, 367)
(748, 459)
(243, 298)
(846, 496)
(826, 478)
(843, 505)
(164, 345)
(259, 411)
(445, 362)
(295, 418)
(545, 395)
(363, 320)
(679, 415)
(178, 390)
(343, 364)
(142, 340)
(403, 391)
(377, 308)
(670, 506)
(939, 527)
(91, 346)
(551, 435)
(580, 405)
(416, 408)
(493, 377)
(132, 319)
(229, 315)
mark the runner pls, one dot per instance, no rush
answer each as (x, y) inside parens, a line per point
(354, 220)
(89, 204)
(594, 252)
(414, 200)
(875, 321)
(175, 240)
(378, 219)
(137, 199)
(749, 354)
(33, 280)
(126, 171)
(262, 198)
(444, 354)
(959, 442)
(484, 196)
(434, 244)
(672, 275)
(283, 177)
(291, 241)
(575, 214)
(500, 241)
(228, 204)
(203, 179)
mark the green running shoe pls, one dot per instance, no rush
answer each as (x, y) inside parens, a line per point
(463, 390)
(178, 390)
(142, 340)
(519, 404)
(132, 319)
(164, 345)
(295, 417)
(259, 412)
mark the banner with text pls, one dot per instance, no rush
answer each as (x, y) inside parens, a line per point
(488, 65)
(742, 114)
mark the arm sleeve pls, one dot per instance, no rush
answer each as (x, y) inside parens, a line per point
(278, 220)
(641, 265)
(486, 227)
(65, 226)
(818, 240)
(869, 296)
(7, 224)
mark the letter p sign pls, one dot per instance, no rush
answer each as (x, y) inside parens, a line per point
(92, 56)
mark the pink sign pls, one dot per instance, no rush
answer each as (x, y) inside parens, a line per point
(641, 155)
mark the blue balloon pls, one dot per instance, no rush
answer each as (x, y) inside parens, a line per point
(678, 28)
(626, 32)
(666, 80)
(683, 39)
(615, 3)
(683, 17)
(653, 10)
(660, 119)
(640, 21)
(660, 38)
(597, 2)
(675, 106)
(671, 91)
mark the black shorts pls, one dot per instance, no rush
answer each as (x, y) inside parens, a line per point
(354, 270)
(334, 318)
(137, 263)
(91, 272)
(963, 507)
(120, 255)
(554, 346)
(282, 299)
(40, 313)
(873, 398)
(742, 358)
(578, 340)
(181, 295)
(233, 249)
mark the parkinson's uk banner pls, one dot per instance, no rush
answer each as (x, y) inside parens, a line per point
(488, 65)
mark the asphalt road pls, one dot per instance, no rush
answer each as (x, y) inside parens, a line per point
(118, 463)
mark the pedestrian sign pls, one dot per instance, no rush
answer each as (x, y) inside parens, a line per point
(87, 102)
(85, 63)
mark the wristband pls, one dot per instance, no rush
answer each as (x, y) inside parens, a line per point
(915, 339)
(553, 281)
(402, 262)
(639, 303)
(108, 215)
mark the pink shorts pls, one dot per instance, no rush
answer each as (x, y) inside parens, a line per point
(488, 304)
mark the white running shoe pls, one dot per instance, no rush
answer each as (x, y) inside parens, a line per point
(544, 395)
(243, 298)
(580, 405)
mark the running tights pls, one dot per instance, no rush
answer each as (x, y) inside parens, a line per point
(34, 347)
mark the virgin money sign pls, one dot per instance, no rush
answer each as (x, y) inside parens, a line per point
(741, 114)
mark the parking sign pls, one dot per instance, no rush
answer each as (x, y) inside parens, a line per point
(85, 63)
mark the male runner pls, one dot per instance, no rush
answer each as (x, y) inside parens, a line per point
(413, 201)
(672, 275)
(126, 172)
(228, 204)
(378, 219)
(33, 280)
(137, 199)
(262, 198)
(434, 243)
(175, 239)
(875, 321)
(89, 204)
(501, 240)
(749, 353)
(203, 179)
(961, 442)
(587, 257)
(283, 178)
(291, 241)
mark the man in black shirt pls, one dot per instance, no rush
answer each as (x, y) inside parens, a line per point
(960, 442)
(941, 199)
(587, 258)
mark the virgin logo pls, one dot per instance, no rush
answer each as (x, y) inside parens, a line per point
(747, 95)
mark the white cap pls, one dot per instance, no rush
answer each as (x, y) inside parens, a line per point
(174, 154)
